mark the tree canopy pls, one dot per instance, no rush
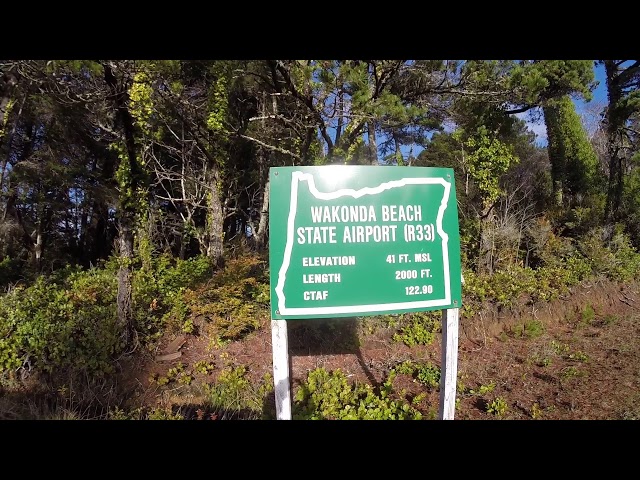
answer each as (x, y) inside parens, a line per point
(126, 159)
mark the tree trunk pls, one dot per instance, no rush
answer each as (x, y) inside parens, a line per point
(261, 234)
(373, 146)
(14, 212)
(124, 298)
(8, 81)
(556, 154)
(485, 250)
(97, 239)
(399, 157)
(10, 208)
(614, 185)
(4, 101)
(38, 246)
(614, 122)
(486, 242)
(340, 113)
(127, 209)
(215, 225)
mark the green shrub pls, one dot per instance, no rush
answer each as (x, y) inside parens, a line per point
(506, 287)
(497, 407)
(10, 271)
(157, 413)
(420, 330)
(63, 322)
(547, 248)
(157, 291)
(231, 303)
(329, 396)
(579, 356)
(427, 374)
(588, 314)
(570, 372)
(616, 259)
(235, 396)
(533, 328)
(67, 322)
(483, 389)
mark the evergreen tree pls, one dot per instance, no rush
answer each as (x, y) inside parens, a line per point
(574, 163)
(623, 82)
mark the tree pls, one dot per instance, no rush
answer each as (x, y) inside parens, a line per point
(623, 80)
(192, 153)
(119, 77)
(574, 163)
(47, 167)
(498, 182)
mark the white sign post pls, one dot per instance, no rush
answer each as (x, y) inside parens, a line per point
(448, 369)
(281, 379)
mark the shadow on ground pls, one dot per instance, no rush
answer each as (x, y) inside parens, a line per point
(331, 336)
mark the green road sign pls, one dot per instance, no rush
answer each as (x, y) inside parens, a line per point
(348, 241)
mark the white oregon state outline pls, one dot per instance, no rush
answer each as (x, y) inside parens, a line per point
(297, 177)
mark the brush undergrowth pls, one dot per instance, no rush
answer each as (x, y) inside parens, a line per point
(61, 332)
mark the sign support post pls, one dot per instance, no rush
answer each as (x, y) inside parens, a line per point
(449, 363)
(281, 379)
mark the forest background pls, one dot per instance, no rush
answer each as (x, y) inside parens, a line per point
(134, 193)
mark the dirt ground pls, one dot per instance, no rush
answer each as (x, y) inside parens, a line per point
(576, 358)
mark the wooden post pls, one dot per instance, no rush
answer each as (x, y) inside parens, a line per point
(282, 384)
(449, 368)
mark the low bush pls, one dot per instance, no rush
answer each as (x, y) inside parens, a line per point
(329, 396)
